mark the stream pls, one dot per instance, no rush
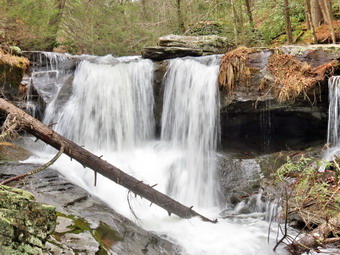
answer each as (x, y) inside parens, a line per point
(107, 105)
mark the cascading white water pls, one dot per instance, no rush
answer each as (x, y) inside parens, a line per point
(190, 121)
(110, 112)
(111, 106)
(333, 132)
(47, 78)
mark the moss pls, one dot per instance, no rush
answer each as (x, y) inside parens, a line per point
(13, 61)
(12, 152)
(24, 223)
(106, 236)
(103, 234)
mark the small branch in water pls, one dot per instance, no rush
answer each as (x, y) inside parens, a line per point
(39, 169)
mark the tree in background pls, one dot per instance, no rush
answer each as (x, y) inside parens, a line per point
(287, 22)
(124, 27)
(29, 23)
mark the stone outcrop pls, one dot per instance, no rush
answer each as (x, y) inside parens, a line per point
(173, 46)
(93, 227)
(25, 224)
(253, 120)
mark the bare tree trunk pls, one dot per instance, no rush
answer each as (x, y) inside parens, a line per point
(145, 14)
(329, 17)
(287, 22)
(87, 159)
(309, 19)
(307, 14)
(234, 15)
(250, 14)
(316, 12)
(180, 17)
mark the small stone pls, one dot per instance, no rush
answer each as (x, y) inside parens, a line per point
(63, 224)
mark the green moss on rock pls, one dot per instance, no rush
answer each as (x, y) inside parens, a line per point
(24, 223)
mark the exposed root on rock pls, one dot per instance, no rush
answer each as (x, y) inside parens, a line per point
(293, 77)
(233, 69)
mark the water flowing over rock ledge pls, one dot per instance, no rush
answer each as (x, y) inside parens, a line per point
(245, 111)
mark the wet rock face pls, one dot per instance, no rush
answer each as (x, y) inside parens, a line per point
(88, 222)
(238, 176)
(10, 80)
(24, 223)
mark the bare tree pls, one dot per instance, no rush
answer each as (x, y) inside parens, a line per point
(329, 17)
(316, 13)
(180, 16)
(308, 15)
(287, 22)
(234, 15)
(250, 14)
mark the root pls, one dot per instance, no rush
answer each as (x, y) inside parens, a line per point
(233, 69)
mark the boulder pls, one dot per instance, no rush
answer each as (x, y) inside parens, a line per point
(159, 53)
(173, 46)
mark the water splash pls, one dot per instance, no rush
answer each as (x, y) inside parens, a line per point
(110, 111)
(49, 73)
(111, 106)
(190, 121)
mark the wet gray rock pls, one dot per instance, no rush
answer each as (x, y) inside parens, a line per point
(87, 213)
(239, 177)
(158, 53)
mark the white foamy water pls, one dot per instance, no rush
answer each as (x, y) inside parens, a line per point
(333, 130)
(190, 121)
(111, 106)
(110, 112)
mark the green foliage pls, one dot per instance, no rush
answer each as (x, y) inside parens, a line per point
(273, 24)
(125, 27)
(30, 23)
(313, 195)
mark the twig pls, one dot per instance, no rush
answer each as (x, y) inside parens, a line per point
(8, 131)
(286, 222)
(39, 169)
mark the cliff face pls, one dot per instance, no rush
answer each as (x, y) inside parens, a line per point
(253, 115)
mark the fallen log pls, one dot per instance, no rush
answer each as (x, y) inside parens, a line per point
(87, 159)
(318, 237)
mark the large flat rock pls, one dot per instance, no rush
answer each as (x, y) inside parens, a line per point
(173, 46)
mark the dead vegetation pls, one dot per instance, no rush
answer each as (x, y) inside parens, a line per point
(13, 61)
(293, 77)
(312, 198)
(233, 69)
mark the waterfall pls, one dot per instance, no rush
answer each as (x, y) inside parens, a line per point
(190, 121)
(49, 73)
(333, 113)
(111, 105)
(106, 105)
